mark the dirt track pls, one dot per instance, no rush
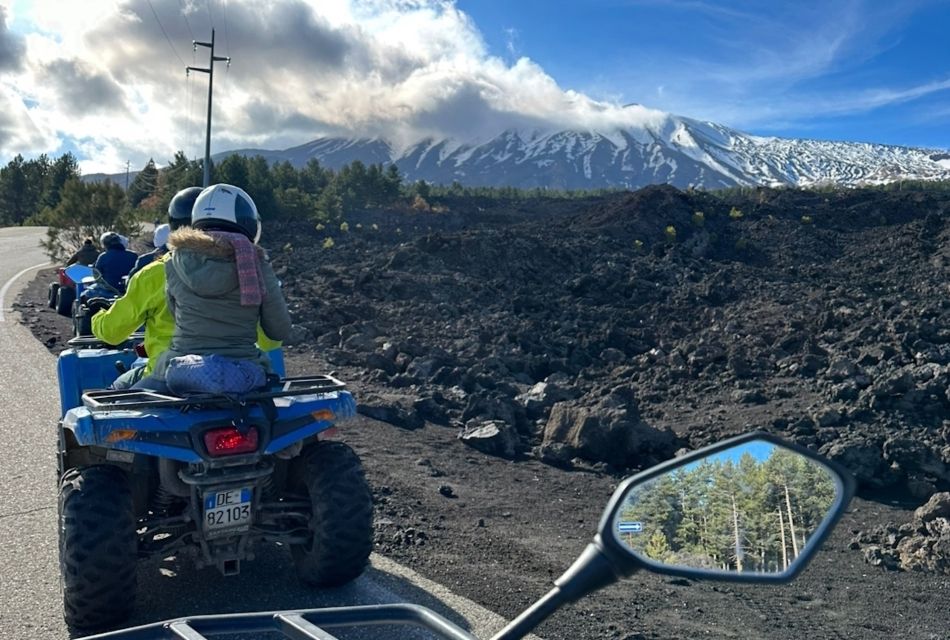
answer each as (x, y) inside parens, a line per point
(513, 526)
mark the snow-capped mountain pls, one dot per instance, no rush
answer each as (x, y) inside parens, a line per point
(672, 149)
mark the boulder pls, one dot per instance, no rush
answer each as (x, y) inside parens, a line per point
(494, 437)
(396, 410)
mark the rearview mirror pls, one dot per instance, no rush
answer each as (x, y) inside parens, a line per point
(753, 508)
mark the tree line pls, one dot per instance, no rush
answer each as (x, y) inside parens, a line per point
(52, 193)
(746, 515)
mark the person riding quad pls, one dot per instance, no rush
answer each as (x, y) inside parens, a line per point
(159, 238)
(220, 287)
(115, 261)
(144, 302)
(86, 254)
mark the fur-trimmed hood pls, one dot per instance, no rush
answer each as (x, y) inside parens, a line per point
(199, 241)
(204, 264)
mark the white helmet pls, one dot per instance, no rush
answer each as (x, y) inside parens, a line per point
(227, 208)
(160, 235)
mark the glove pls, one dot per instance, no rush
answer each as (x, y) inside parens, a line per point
(95, 305)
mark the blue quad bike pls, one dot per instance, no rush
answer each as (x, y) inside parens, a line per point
(143, 474)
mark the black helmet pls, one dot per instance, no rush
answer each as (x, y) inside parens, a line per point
(179, 209)
(228, 208)
(110, 239)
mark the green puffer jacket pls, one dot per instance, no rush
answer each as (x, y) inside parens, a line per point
(204, 299)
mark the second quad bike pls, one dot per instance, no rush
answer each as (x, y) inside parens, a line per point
(144, 474)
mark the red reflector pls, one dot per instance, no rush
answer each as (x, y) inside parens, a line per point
(140, 350)
(229, 441)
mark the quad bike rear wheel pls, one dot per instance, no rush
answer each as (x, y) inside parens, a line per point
(341, 526)
(97, 546)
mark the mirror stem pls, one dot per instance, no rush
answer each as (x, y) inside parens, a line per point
(593, 570)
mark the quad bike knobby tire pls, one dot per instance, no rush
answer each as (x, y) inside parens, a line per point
(82, 320)
(64, 301)
(342, 522)
(97, 546)
(51, 296)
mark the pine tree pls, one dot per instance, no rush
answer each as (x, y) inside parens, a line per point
(85, 210)
(144, 184)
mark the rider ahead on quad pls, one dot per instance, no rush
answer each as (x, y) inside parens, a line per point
(146, 473)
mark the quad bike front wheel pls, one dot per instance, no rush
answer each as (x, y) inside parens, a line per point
(51, 295)
(97, 546)
(65, 296)
(341, 526)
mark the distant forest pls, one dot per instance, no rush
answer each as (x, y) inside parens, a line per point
(32, 190)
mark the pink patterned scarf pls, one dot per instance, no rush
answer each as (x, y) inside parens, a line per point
(248, 267)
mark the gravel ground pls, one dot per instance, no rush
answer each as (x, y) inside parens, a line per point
(509, 527)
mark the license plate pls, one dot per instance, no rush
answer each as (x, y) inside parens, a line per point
(228, 511)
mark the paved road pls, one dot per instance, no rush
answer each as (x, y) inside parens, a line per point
(30, 600)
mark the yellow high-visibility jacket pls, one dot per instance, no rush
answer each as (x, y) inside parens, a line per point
(144, 304)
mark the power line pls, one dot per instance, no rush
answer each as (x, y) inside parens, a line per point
(184, 14)
(227, 36)
(162, 27)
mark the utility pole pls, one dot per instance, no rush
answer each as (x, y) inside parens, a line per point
(210, 71)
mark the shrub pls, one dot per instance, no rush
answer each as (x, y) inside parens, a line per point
(328, 243)
(344, 227)
(735, 214)
(806, 220)
(670, 233)
(638, 245)
(420, 204)
(320, 226)
(699, 218)
(742, 244)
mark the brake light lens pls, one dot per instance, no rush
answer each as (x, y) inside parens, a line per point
(228, 441)
(140, 350)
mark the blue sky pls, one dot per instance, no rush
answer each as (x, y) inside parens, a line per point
(105, 78)
(855, 70)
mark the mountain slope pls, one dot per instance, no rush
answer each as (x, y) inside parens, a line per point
(673, 150)
(663, 148)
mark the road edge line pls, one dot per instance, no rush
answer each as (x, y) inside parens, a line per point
(9, 283)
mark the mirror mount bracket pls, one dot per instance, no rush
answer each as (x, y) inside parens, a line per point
(594, 569)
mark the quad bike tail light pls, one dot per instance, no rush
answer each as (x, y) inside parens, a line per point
(64, 280)
(228, 441)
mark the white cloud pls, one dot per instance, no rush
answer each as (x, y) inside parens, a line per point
(106, 76)
(103, 75)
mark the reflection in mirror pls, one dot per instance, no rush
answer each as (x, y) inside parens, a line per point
(752, 508)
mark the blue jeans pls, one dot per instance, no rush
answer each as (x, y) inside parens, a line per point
(151, 383)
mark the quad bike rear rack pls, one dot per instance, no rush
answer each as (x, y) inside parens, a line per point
(301, 624)
(92, 342)
(132, 399)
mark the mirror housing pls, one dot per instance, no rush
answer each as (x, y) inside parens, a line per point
(619, 533)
